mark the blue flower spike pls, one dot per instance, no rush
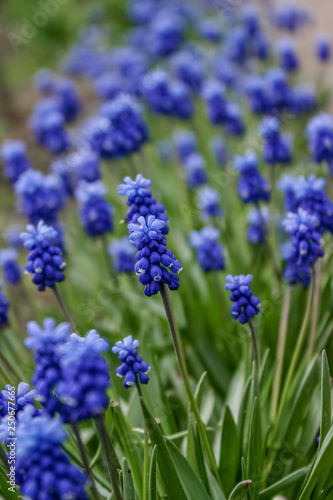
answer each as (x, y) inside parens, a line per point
(132, 367)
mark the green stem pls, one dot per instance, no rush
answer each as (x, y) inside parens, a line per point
(255, 345)
(294, 359)
(270, 250)
(8, 367)
(182, 365)
(280, 351)
(146, 447)
(109, 456)
(315, 308)
(112, 273)
(64, 309)
(80, 445)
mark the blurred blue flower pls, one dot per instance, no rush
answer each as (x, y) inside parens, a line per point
(258, 228)
(14, 156)
(209, 250)
(252, 187)
(319, 132)
(208, 201)
(123, 255)
(11, 270)
(96, 213)
(132, 364)
(277, 147)
(323, 48)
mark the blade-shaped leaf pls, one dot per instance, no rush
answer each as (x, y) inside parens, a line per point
(240, 490)
(128, 482)
(326, 405)
(152, 484)
(255, 447)
(166, 466)
(282, 485)
(229, 454)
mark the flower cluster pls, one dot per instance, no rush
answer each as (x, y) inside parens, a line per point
(132, 365)
(195, 170)
(96, 213)
(209, 250)
(308, 194)
(245, 305)
(166, 96)
(319, 132)
(43, 469)
(323, 48)
(14, 156)
(40, 196)
(8, 262)
(156, 264)
(165, 33)
(123, 255)
(288, 57)
(125, 130)
(208, 201)
(186, 143)
(306, 246)
(140, 201)
(48, 126)
(45, 341)
(277, 146)
(258, 229)
(84, 377)
(45, 260)
(63, 91)
(252, 187)
(188, 68)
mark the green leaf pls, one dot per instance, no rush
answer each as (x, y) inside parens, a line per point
(322, 466)
(128, 482)
(190, 481)
(242, 417)
(229, 454)
(240, 490)
(255, 448)
(152, 484)
(165, 463)
(326, 405)
(194, 453)
(282, 485)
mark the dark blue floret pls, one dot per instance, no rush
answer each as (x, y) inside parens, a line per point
(96, 213)
(252, 187)
(245, 305)
(277, 146)
(209, 250)
(132, 365)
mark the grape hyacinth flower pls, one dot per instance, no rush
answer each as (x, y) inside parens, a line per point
(23, 396)
(219, 151)
(132, 365)
(258, 229)
(245, 305)
(108, 86)
(234, 120)
(186, 143)
(301, 99)
(40, 196)
(319, 132)
(140, 201)
(213, 94)
(96, 213)
(11, 270)
(252, 187)
(44, 80)
(288, 57)
(85, 378)
(166, 33)
(126, 130)
(208, 201)
(209, 250)
(306, 246)
(156, 264)
(210, 30)
(14, 156)
(43, 469)
(277, 146)
(67, 94)
(44, 341)
(45, 260)
(195, 169)
(290, 17)
(12, 236)
(85, 165)
(48, 126)
(4, 306)
(188, 69)
(122, 253)
(323, 48)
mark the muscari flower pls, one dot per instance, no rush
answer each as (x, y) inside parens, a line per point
(48, 126)
(288, 57)
(213, 94)
(195, 169)
(67, 94)
(44, 80)
(323, 48)
(208, 201)
(234, 119)
(308, 194)
(40, 196)
(165, 33)
(210, 30)
(43, 469)
(245, 305)
(11, 270)
(14, 156)
(301, 99)
(209, 250)
(166, 96)
(125, 130)
(156, 264)
(132, 365)
(277, 147)
(186, 143)
(84, 377)
(12, 235)
(256, 233)
(44, 341)
(188, 68)
(290, 17)
(4, 306)
(140, 200)
(122, 253)
(108, 86)
(219, 151)
(45, 260)
(319, 132)
(306, 246)
(252, 187)
(96, 213)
